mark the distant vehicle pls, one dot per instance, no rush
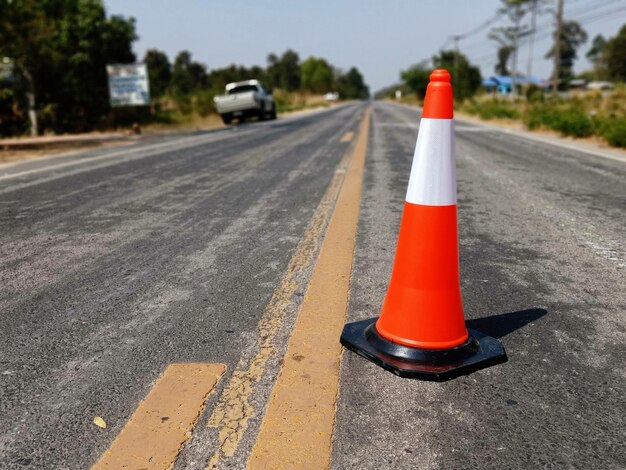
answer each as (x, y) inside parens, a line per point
(243, 100)
(600, 85)
(331, 96)
(577, 84)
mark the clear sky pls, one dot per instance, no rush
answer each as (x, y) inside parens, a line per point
(380, 37)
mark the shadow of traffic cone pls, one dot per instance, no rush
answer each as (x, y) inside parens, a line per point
(421, 330)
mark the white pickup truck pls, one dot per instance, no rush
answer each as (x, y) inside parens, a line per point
(243, 100)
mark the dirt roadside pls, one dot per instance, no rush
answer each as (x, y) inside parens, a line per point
(29, 148)
(588, 144)
(18, 149)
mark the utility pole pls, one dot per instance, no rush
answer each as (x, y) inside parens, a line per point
(518, 19)
(533, 26)
(557, 48)
(455, 77)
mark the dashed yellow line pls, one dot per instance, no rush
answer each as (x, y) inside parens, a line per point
(347, 137)
(163, 421)
(297, 428)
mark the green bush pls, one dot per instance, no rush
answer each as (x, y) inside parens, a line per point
(574, 123)
(568, 121)
(492, 109)
(577, 115)
(183, 103)
(535, 117)
(613, 130)
(203, 103)
(534, 93)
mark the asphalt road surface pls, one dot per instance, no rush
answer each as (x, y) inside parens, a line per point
(542, 233)
(114, 267)
(117, 263)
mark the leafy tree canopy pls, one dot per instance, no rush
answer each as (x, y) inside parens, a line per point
(572, 37)
(416, 78)
(616, 56)
(352, 86)
(466, 78)
(284, 72)
(60, 49)
(316, 75)
(159, 71)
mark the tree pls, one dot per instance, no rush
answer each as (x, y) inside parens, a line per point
(289, 71)
(515, 10)
(87, 42)
(218, 78)
(59, 49)
(118, 34)
(468, 80)
(504, 53)
(187, 75)
(316, 75)
(597, 55)
(272, 73)
(505, 37)
(572, 37)
(26, 37)
(416, 78)
(283, 72)
(616, 56)
(159, 71)
(351, 85)
(508, 37)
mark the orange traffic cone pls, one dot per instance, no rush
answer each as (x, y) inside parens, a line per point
(421, 330)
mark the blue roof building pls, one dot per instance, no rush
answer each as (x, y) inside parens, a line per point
(503, 83)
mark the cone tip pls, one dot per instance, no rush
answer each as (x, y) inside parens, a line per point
(438, 100)
(440, 75)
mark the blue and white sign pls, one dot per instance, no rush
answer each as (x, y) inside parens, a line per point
(128, 85)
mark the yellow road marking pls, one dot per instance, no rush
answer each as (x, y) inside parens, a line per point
(347, 137)
(298, 424)
(233, 409)
(163, 421)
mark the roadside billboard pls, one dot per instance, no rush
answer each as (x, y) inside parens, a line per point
(128, 85)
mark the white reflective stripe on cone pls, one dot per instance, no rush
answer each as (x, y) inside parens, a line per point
(433, 173)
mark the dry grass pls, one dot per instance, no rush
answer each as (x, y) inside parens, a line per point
(287, 101)
(181, 122)
(580, 114)
(17, 154)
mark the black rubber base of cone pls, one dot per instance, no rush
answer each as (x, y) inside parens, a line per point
(478, 352)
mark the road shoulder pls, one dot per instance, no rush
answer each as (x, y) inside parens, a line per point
(589, 146)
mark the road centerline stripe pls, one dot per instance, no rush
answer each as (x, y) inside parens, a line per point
(297, 428)
(163, 421)
(347, 137)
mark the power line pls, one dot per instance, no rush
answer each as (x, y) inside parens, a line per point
(546, 26)
(587, 16)
(587, 8)
(480, 28)
(547, 31)
(595, 16)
